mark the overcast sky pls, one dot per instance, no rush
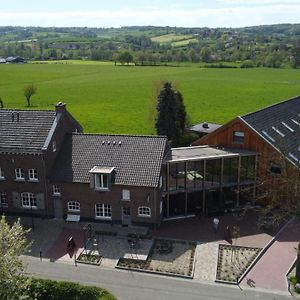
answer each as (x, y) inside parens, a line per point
(117, 13)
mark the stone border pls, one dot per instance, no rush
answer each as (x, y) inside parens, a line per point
(162, 273)
(246, 270)
(154, 272)
(89, 263)
(290, 288)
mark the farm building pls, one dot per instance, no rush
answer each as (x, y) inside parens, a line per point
(49, 168)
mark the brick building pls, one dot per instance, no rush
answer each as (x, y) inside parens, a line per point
(49, 168)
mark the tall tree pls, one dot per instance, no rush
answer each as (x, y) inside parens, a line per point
(29, 91)
(12, 244)
(171, 114)
(125, 57)
(296, 54)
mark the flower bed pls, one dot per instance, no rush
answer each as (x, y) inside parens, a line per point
(91, 259)
(233, 261)
(168, 257)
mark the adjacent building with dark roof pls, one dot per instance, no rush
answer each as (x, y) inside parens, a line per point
(29, 143)
(272, 132)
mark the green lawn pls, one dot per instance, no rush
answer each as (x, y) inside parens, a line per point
(172, 37)
(110, 99)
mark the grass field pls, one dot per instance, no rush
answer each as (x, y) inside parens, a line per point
(110, 99)
(172, 37)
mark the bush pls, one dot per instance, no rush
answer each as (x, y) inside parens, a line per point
(43, 289)
(247, 64)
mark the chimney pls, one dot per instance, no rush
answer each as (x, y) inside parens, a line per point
(205, 125)
(60, 107)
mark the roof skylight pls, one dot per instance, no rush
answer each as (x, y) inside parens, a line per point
(296, 122)
(278, 131)
(288, 127)
(293, 157)
(268, 136)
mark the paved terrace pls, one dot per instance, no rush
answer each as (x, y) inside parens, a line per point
(51, 237)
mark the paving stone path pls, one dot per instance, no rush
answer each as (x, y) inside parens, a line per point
(206, 262)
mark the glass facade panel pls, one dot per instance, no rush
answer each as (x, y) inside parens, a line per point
(230, 174)
(247, 168)
(190, 175)
(213, 173)
(199, 174)
(180, 176)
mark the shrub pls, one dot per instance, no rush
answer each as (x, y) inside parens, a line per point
(44, 289)
(247, 64)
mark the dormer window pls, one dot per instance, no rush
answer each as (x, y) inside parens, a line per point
(101, 178)
(101, 181)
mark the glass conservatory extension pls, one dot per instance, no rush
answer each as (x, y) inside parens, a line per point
(207, 180)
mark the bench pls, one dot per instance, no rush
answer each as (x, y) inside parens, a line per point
(73, 218)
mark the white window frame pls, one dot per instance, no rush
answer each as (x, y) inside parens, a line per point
(126, 195)
(29, 199)
(56, 190)
(144, 211)
(99, 181)
(19, 172)
(33, 175)
(73, 206)
(103, 211)
(3, 199)
(1, 174)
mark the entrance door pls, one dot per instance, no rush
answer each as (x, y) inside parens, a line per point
(126, 216)
(58, 209)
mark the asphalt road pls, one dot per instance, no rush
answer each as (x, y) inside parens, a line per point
(126, 285)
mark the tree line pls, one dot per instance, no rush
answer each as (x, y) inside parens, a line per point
(248, 47)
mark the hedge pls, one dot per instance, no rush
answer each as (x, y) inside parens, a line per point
(44, 289)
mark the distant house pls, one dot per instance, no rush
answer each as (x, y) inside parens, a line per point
(204, 128)
(2, 60)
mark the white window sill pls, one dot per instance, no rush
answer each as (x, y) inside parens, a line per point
(103, 218)
(128, 200)
(145, 216)
(33, 180)
(29, 207)
(2, 178)
(98, 189)
(20, 179)
(57, 194)
(73, 211)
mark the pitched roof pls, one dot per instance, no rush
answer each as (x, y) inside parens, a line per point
(137, 159)
(24, 131)
(279, 125)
